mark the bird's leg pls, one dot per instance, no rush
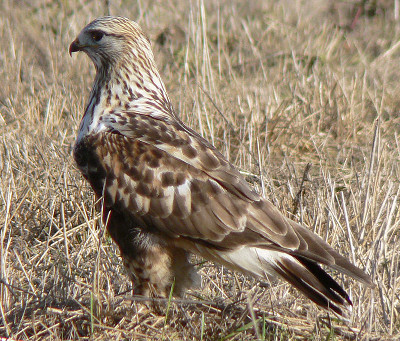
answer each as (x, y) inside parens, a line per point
(149, 268)
(184, 274)
(155, 266)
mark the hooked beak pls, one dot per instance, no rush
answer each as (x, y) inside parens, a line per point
(74, 47)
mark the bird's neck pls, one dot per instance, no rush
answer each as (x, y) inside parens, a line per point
(127, 89)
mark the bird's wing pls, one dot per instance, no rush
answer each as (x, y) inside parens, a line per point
(174, 181)
(165, 172)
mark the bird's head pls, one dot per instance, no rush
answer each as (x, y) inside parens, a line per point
(125, 65)
(112, 40)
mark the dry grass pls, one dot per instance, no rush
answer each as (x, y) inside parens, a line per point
(302, 98)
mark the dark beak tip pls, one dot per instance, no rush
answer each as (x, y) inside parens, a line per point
(74, 47)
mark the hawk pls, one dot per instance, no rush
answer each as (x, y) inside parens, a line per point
(168, 192)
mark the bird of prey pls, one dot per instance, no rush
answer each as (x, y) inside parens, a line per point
(168, 192)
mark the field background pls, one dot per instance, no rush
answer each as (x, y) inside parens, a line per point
(302, 96)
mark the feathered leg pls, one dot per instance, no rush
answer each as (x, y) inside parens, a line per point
(152, 264)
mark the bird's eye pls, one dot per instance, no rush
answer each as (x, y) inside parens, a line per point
(97, 35)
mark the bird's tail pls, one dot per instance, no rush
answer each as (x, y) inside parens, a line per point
(306, 275)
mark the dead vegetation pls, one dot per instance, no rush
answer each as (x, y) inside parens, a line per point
(303, 97)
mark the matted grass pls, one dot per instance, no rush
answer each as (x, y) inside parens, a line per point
(302, 96)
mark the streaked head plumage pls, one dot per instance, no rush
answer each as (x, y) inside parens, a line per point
(127, 76)
(108, 40)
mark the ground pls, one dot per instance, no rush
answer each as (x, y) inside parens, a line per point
(302, 96)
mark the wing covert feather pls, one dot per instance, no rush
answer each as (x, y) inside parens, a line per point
(190, 181)
(175, 191)
(168, 173)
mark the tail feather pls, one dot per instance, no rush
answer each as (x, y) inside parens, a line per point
(309, 278)
(340, 263)
(334, 288)
(288, 237)
(304, 274)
